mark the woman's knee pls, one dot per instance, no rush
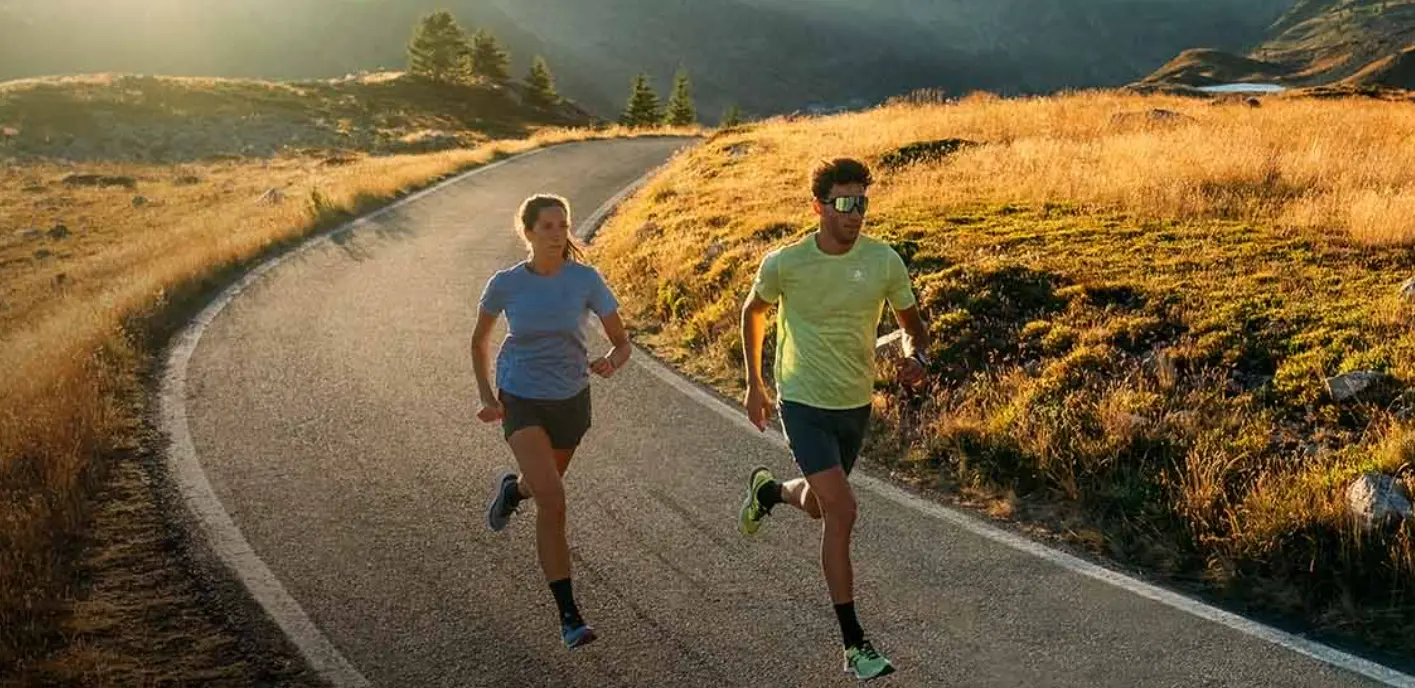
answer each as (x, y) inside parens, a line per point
(550, 498)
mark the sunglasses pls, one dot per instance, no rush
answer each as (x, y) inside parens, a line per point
(849, 204)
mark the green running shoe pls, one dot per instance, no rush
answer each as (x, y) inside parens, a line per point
(749, 519)
(865, 662)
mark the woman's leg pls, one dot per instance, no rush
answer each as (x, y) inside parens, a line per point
(540, 480)
(541, 469)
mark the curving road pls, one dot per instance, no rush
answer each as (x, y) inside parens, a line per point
(331, 407)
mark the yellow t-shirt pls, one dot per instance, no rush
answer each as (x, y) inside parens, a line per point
(829, 308)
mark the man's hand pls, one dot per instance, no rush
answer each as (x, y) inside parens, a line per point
(911, 372)
(758, 407)
(491, 410)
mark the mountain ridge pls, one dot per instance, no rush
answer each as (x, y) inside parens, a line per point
(768, 56)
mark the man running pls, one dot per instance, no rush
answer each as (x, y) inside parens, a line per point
(831, 288)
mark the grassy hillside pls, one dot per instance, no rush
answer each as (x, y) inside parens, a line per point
(1135, 320)
(798, 53)
(172, 119)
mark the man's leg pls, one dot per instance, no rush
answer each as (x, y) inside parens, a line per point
(815, 448)
(830, 492)
(797, 493)
(861, 659)
(825, 444)
(819, 440)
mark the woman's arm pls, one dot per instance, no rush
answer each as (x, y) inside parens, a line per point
(619, 355)
(481, 365)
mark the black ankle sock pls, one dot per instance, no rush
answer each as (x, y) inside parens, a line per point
(769, 494)
(565, 600)
(850, 630)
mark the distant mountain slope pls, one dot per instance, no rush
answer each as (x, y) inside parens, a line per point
(1316, 42)
(1207, 67)
(767, 55)
(1328, 40)
(1391, 71)
(172, 119)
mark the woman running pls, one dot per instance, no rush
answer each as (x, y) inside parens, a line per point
(542, 378)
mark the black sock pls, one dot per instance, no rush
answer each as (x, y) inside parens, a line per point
(769, 494)
(565, 600)
(850, 630)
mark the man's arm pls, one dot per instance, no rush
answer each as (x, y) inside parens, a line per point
(914, 343)
(753, 331)
(916, 340)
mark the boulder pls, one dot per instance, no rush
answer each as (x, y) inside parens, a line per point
(924, 152)
(1151, 117)
(1350, 385)
(1407, 289)
(1375, 499)
(100, 180)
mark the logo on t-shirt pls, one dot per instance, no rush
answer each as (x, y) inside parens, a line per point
(859, 276)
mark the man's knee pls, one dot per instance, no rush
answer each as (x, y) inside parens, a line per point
(841, 510)
(836, 503)
(811, 506)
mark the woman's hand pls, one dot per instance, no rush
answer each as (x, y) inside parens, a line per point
(618, 357)
(603, 367)
(491, 410)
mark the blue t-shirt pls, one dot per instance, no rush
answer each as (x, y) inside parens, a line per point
(545, 353)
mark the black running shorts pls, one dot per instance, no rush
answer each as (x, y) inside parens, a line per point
(822, 439)
(565, 420)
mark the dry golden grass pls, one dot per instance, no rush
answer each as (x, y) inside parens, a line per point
(80, 317)
(1328, 166)
(1134, 320)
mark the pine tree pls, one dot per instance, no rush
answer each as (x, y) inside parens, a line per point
(437, 49)
(489, 60)
(732, 117)
(643, 109)
(681, 112)
(542, 85)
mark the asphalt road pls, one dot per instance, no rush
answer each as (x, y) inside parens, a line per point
(332, 406)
